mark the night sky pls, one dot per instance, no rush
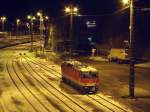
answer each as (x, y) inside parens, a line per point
(54, 8)
(20, 8)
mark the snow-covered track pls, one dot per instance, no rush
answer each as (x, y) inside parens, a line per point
(97, 98)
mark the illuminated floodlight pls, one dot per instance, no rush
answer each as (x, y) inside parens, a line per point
(125, 2)
(46, 17)
(67, 9)
(75, 9)
(28, 17)
(39, 13)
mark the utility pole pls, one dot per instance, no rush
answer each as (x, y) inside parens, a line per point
(71, 10)
(17, 27)
(3, 19)
(31, 35)
(132, 52)
(31, 18)
(71, 32)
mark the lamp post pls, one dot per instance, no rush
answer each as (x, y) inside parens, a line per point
(31, 18)
(132, 48)
(28, 28)
(71, 10)
(41, 27)
(46, 33)
(17, 26)
(52, 37)
(3, 19)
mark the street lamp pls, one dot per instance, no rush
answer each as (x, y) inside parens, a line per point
(3, 19)
(132, 48)
(41, 27)
(17, 26)
(71, 10)
(125, 2)
(46, 17)
(47, 32)
(31, 18)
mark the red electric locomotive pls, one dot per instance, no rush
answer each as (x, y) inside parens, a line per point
(82, 76)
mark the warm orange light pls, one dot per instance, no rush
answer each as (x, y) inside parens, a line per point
(71, 10)
(39, 14)
(33, 18)
(125, 2)
(46, 17)
(67, 10)
(75, 9)
(3, 18)
(28, 17)
(17, 21)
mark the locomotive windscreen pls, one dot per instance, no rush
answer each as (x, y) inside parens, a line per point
(88, 75)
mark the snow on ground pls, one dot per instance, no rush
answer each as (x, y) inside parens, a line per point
(101, 59)
(143, 65)
(98, 58)
(56, 67)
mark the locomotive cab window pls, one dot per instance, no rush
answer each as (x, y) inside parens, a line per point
(70, 65)
(94, 75)
(88, 75)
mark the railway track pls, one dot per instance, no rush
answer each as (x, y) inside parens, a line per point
(30, 87)
(11, 74)
(99, 99)
(72, 105)
(79, 102)
(27, 92)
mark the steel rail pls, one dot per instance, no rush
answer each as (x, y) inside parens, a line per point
(46, 68)
(43, 105)
(55, 89)
(16, 85)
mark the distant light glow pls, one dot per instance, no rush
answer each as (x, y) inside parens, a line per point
(39, 14)
(33, 18)
(3, 18)
(17, 21)
(46, 17)
(28, 17)
(125, 2)
(75, 9)
(71, 10)
(67, 10)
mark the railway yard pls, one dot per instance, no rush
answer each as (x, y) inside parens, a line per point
(30, 84)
